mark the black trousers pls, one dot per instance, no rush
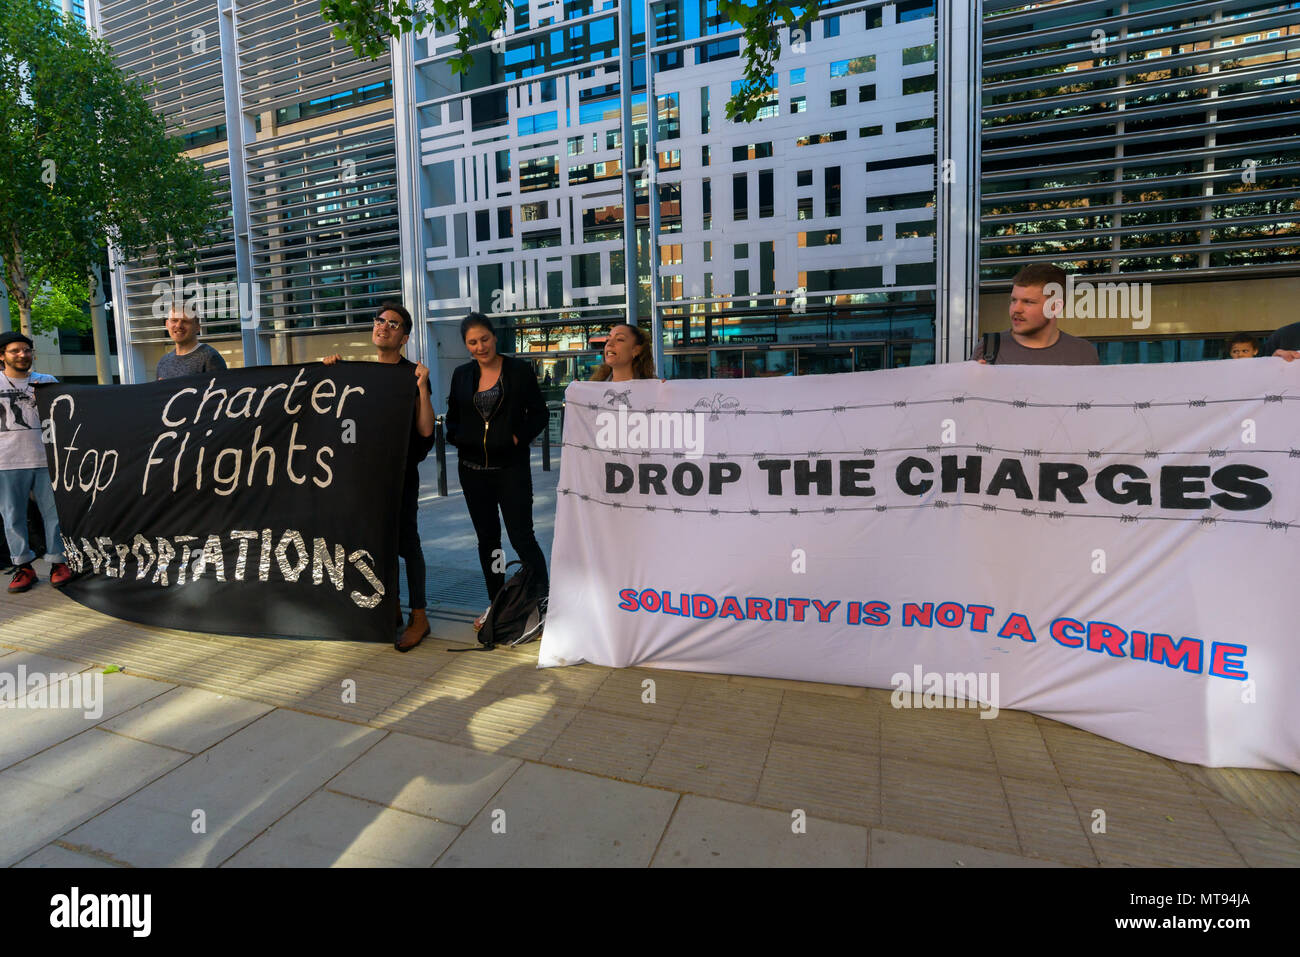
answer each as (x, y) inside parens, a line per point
(509, 491)
(408, 543)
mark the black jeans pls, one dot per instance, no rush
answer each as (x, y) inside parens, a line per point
(509, 490)
(408, 543)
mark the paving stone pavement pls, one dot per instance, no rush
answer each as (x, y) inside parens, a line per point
(212, 750)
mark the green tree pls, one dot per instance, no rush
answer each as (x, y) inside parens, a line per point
(84, 161)
(55, 307)
(368, 25)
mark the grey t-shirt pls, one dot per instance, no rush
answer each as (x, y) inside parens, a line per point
(20, 423)
(1065, 351)
(202, 359)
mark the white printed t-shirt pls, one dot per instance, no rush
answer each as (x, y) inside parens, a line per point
(20, 423)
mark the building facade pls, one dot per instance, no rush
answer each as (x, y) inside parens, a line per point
(1150, 143)
(802, 242)
(300, 135)
(909, 157)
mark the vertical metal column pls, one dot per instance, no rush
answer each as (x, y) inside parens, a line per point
(406, 93)
(631, 276)
(652, 189)
(960, 69)
(240, 130)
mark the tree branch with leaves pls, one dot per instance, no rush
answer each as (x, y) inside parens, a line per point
(84, 160)
(367, 27)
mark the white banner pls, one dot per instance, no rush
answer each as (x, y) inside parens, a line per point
(1109, 547)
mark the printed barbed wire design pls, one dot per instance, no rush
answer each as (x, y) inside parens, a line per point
(973, 447)
(1052, 514)
(718, 405)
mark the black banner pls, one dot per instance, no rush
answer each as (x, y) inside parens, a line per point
(258, 501)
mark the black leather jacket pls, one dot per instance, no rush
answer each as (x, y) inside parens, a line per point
(521, 413)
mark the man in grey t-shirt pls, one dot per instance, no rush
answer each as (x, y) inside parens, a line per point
(1034, 339)
(190, 357)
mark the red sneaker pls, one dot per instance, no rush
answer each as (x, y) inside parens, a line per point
(60, 574)
(23, 579)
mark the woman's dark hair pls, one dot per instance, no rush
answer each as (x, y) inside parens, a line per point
(392, 305)
(475, 319)
(643, 364)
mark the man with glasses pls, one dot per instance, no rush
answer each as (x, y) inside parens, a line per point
(392, 328)
(23, 472)
(190, 357)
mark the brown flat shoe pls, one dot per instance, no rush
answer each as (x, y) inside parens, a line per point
(415, 632)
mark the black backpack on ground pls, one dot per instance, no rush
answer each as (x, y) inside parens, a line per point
(517, 613)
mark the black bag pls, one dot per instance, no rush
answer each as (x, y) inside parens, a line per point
(992, 342)
(517, 613)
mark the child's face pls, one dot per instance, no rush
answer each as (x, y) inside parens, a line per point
(1243, 350)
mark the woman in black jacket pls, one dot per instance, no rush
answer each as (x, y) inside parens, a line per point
(494, 412)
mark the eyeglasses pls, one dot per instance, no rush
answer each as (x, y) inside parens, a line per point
(390, 323)
(19, 351)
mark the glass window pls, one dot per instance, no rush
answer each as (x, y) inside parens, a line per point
(831, 185)
(586, 269)
(690, 365)
(825, 361)
(914, 274)
(540, 173)
(921, 54)
(766, 197)
(880, 204)
(917, 84)
(915, 10)
(912, 354)
(857, 64)
(740, 196)
(726, 364)
(914, 230)
(869, 358)
(766, 363)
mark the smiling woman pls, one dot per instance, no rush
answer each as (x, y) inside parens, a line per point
(627, 356)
